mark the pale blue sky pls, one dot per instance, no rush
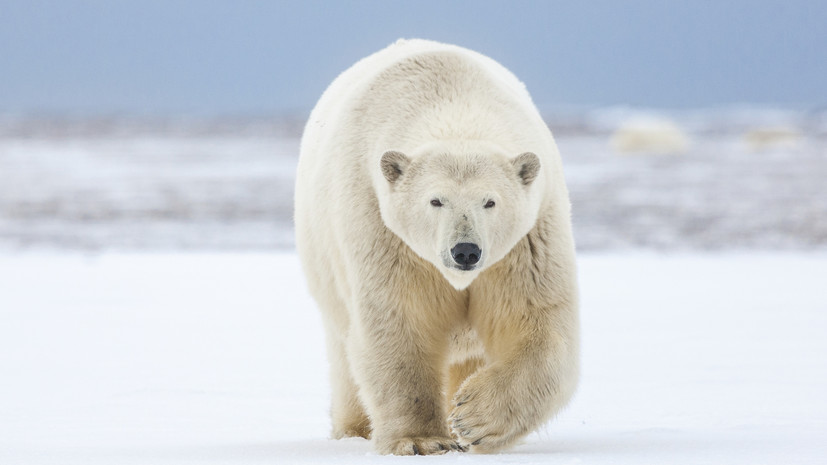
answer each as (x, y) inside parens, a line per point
(271, 57)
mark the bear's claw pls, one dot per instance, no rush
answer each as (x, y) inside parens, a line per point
(423, 446)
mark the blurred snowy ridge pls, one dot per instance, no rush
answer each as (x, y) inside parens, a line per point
(743, 178)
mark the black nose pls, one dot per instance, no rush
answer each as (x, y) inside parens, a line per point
(466, 254)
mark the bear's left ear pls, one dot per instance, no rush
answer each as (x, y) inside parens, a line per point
(527, 166)
(394, 164)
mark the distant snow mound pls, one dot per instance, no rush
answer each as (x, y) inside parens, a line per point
(772, 138)
(649, 135)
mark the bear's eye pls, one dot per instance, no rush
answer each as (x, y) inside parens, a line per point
(489, 204)
(436, 203)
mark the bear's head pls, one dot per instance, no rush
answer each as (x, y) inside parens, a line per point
(462, 210)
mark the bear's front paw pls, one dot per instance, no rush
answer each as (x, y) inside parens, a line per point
(429, 445)
(487, 416)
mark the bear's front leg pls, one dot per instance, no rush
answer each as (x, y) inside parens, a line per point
(532, 373)
(396, 366)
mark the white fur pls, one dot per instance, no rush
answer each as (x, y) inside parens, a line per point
(404, 325)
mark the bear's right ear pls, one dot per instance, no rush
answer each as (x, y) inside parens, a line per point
(394, 164)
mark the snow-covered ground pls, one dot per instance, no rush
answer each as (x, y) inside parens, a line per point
(152, 310)
(218, 358)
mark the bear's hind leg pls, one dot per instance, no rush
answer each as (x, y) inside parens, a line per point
(346, 411)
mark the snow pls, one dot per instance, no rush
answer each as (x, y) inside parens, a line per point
(156, 191)
(152, 310)
(165, 358)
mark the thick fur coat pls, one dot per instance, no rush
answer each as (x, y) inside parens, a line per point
(410, 155)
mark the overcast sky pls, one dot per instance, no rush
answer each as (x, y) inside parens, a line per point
(271, 57)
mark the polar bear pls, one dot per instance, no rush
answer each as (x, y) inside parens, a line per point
(433, 224)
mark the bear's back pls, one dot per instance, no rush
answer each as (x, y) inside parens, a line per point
(398, 85)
